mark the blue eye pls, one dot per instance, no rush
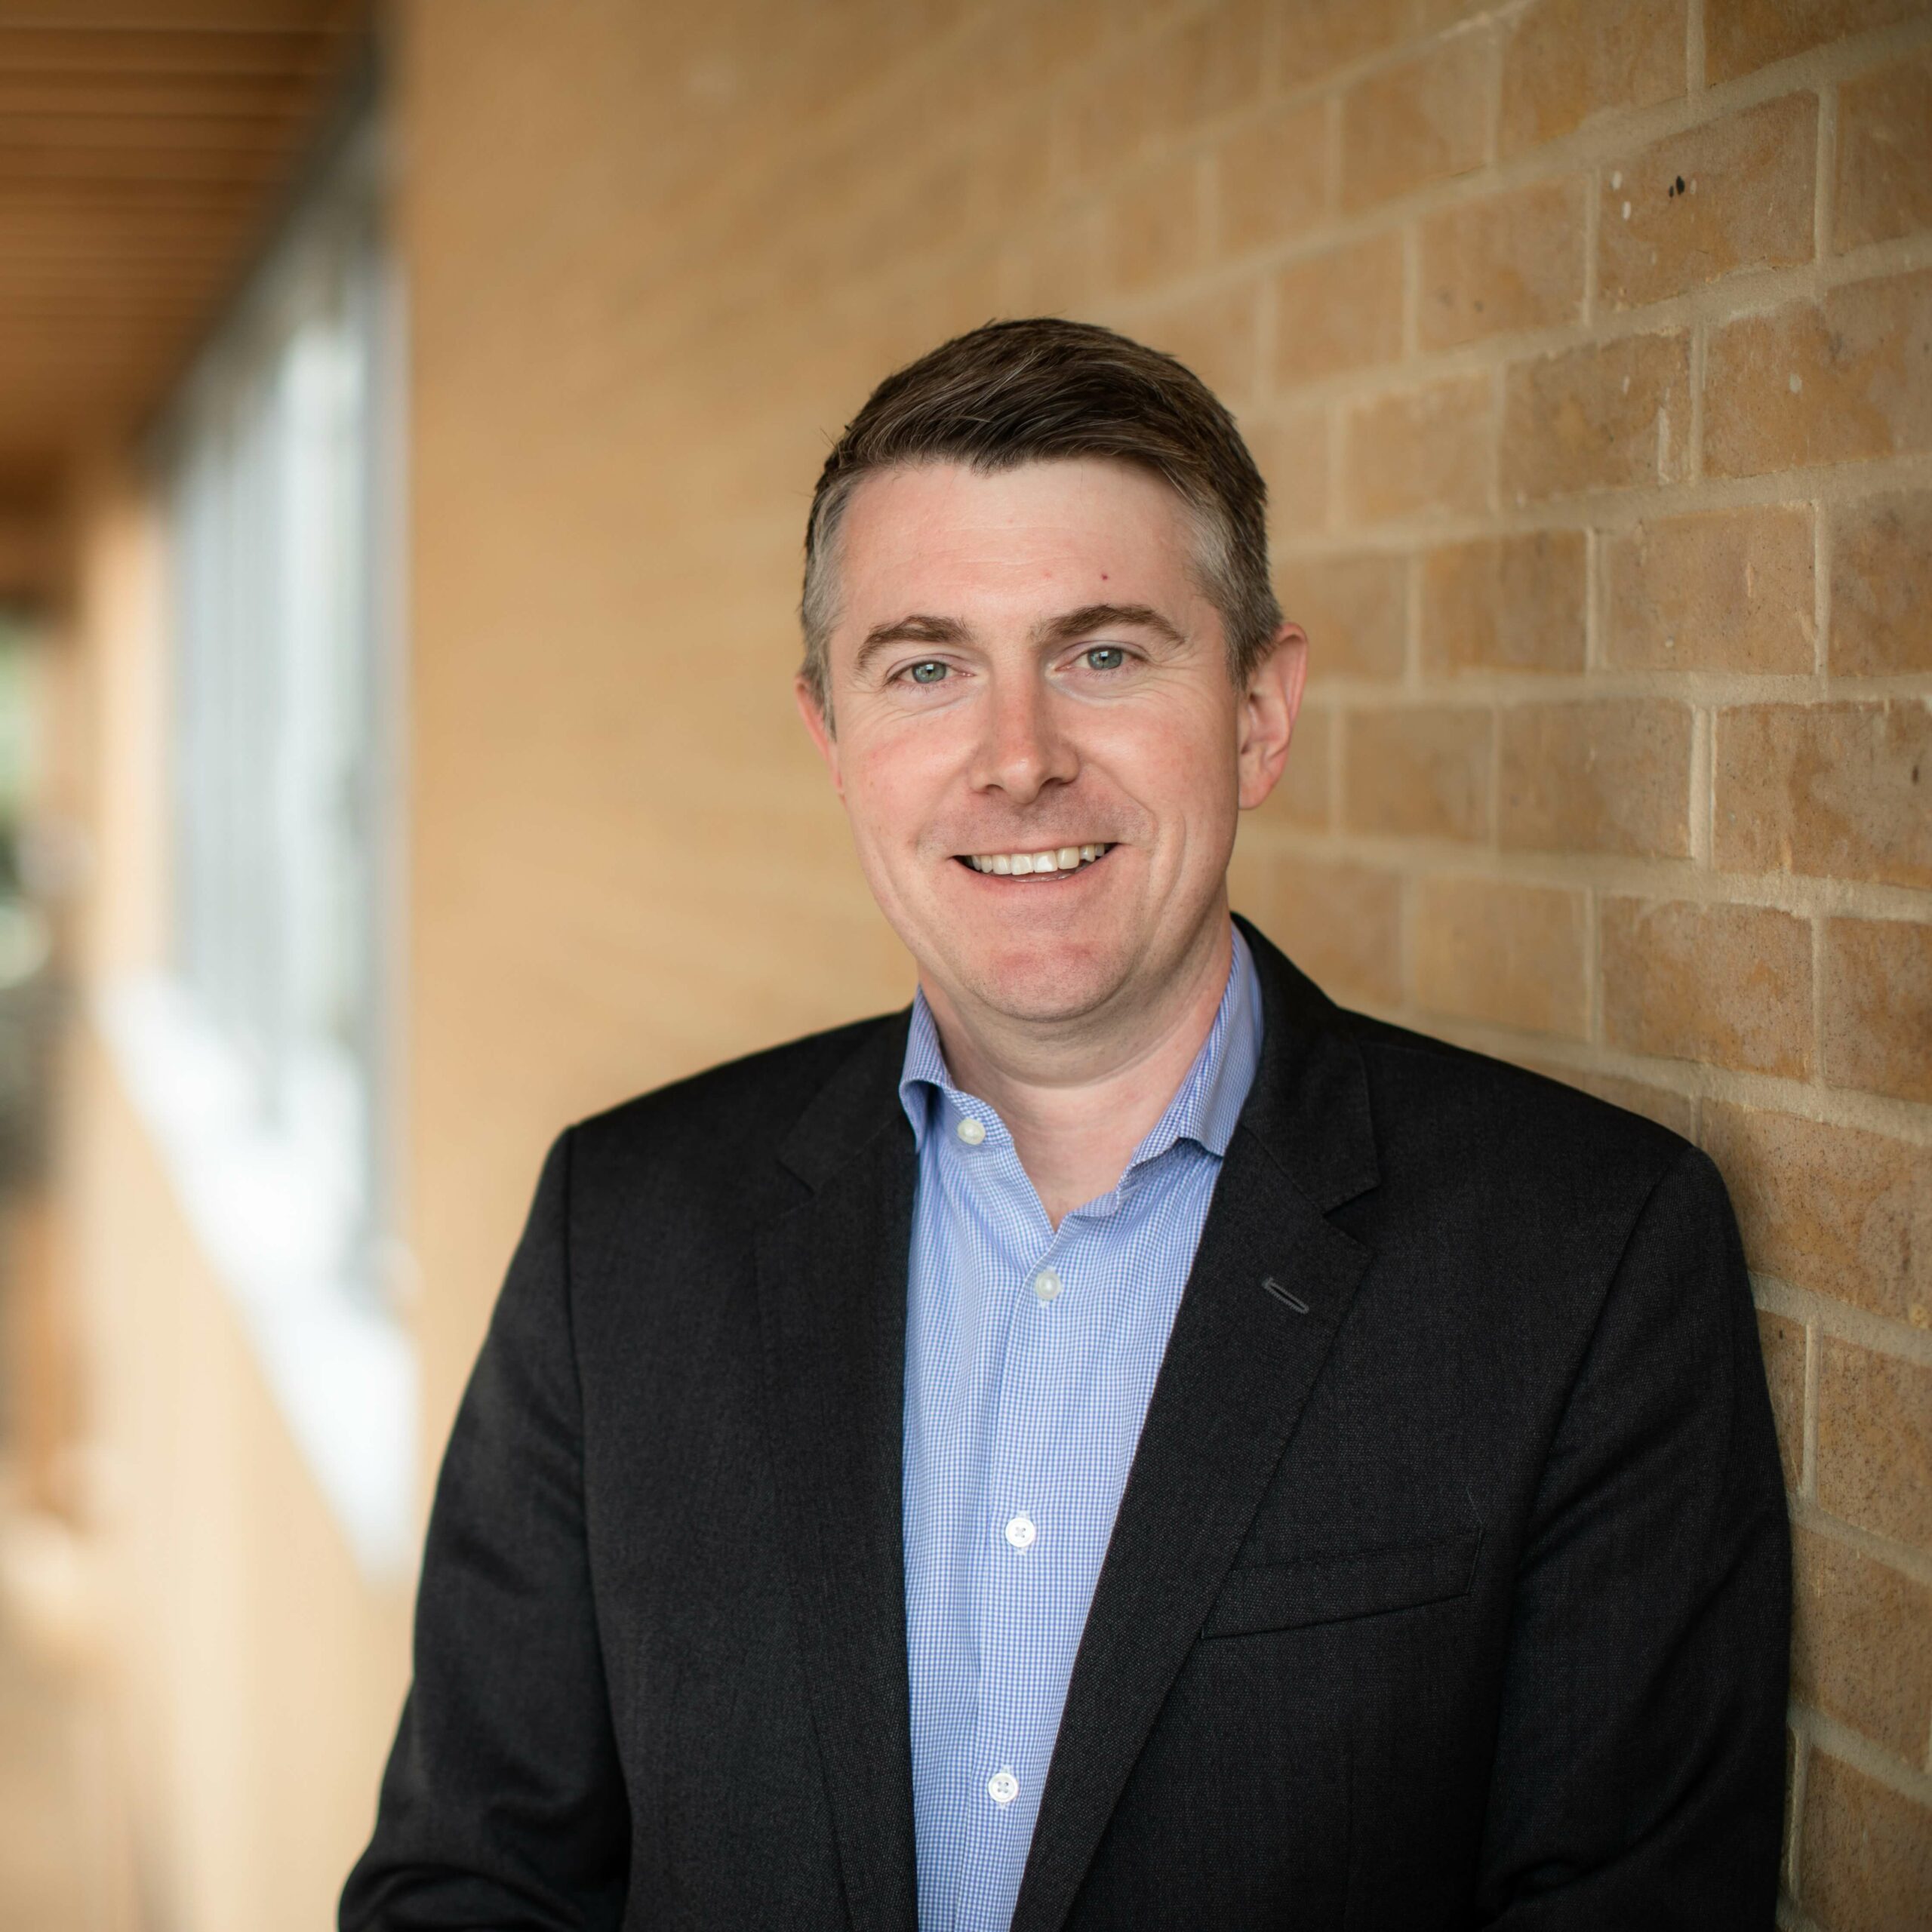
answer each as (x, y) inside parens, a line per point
(931, 672)
(1106, 657)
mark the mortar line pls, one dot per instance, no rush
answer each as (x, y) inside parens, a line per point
(1800, 1766)
(1825, 199)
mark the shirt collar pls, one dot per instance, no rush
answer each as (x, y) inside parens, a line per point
(1203, 1109)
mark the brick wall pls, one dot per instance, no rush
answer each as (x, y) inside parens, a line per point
(1587, 345)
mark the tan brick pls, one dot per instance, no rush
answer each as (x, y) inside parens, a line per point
(1727, 590)
(1433, 16)
(1301, 798)
(1343, 310)
(1565, 60)
(1291, 449)
(1419, 453)
(1727, 985)
(1056, 273)
(1355, 610)
(1874, 1440)
(1837, 382)
(1421, 121)
(1271, 179)
(1836, 1209)
(1491, 949)
(1215, 335)
(1603, 417)
(1153, 230)
(1878, 1018)
(1342, 923)
(1504, 603)
(1058, 37)
(1745, 200)
(1211, 67)
(1515, 261)
(1612, 775)
(1782, 1344)
(1009, 176)
(1861, 1642)
(1836, 790)
(1315, 37)
(1885, 174)
(1742, 36)
(1096, 138)
(1865, 1863)
(1421, 772)
(1881, 586)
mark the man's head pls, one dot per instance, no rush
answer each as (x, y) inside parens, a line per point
(1038, 622)
(1044, 390)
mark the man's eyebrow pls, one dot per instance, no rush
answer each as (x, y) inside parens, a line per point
(916, 628)
(1091, 617)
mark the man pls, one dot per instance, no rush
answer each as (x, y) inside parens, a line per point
(1126, 1444)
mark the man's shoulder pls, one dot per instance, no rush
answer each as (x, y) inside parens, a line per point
(734, 1118)
(1492, 1120)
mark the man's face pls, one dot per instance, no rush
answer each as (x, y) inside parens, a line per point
(1038, 745)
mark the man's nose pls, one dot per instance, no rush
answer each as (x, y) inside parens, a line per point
(1023, 747)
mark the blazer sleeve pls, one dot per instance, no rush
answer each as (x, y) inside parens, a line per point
(1639, 1768)
(503, 1802)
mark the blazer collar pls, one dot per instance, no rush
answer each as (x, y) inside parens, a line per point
(1308, 1106)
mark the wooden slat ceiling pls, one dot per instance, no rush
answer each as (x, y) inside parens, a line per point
(142, 146)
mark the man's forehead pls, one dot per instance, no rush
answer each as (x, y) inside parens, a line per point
(1081, 514)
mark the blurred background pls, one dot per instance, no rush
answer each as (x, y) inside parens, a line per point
(407, 418)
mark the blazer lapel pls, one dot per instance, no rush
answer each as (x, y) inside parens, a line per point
(1271, 1282)
(832, 1287)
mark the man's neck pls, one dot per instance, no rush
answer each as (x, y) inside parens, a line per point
(1077, 1106)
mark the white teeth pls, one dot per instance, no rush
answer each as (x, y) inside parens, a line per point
(1061, 858)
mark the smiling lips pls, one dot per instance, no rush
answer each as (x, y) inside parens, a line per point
(1022, 865)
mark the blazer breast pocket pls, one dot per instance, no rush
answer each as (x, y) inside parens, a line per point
(1328, 1589)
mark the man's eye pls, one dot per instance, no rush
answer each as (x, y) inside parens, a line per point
(929, 671)
(1105, 657)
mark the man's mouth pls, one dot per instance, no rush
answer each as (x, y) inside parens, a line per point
(1055, 859)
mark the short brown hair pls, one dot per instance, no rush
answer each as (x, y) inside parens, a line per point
(1032, 390)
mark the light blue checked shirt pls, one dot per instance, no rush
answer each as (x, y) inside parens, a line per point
(1031, 1354)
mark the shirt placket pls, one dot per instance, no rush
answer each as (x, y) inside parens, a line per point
(1016, 1567)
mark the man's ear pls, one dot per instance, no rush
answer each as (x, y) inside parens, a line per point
(1268, 708)
(818, 722)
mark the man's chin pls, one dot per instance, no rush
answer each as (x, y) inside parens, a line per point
(1043, 987)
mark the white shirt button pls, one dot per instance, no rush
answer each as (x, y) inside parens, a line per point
(1020, 1531)
(1002, 1788)
(1047, 1284)
(970, 1131)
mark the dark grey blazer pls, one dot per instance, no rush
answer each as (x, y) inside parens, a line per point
(1450, 1586)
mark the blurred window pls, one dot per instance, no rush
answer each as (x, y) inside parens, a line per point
(280, 508)
(262, 1056)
